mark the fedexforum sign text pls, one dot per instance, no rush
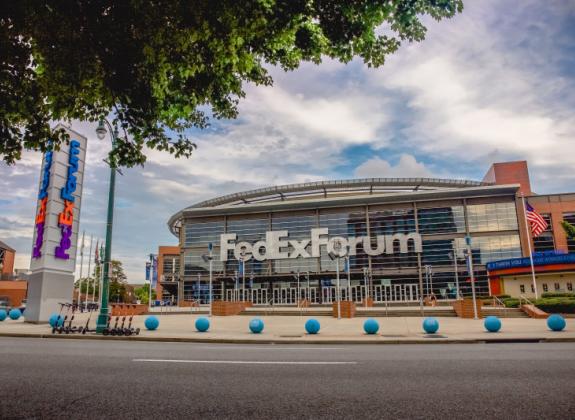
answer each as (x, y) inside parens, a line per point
(277, 245)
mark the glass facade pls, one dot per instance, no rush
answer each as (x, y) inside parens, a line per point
(570, 218)
(545, 242)
(440, 268)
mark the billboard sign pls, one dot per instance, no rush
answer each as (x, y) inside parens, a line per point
(58, 207)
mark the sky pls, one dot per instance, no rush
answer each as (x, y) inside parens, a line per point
(493, 84)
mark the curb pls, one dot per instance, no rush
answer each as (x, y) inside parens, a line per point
(283, 341)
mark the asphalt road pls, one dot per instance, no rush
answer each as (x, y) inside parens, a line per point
(55, 378)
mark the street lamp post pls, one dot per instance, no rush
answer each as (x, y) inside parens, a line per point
(103, 316)
(335, 256)
(454, 254)
(210, 258)
(348, 278)
(471, 274)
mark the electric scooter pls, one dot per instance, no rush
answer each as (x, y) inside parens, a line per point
(87, 326)
(107, 329)
(59, 328)
(129, 330)
(121, 330)
(69, 329)
(59, 318)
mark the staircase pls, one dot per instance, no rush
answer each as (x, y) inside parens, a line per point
(375, 312)
(503, 312)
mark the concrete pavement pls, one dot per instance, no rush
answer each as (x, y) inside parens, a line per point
(76, 379)
(290, 329)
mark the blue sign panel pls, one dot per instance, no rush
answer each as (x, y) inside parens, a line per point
(545, 259)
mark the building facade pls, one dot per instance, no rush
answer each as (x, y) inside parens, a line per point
(393, 240)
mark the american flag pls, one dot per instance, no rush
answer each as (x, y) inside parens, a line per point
(537, 222)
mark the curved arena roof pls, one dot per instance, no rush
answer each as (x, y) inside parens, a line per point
(326, 190)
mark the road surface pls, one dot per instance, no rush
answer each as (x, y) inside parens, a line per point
(58, 378)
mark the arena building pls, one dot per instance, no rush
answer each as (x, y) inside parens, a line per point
(390, 239)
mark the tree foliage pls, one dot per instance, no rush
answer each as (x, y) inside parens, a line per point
(143, 293)
(569, 229)
(162, 67)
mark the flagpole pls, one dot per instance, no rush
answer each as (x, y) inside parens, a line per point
(89, 265)
(529, 246)
(81, 271)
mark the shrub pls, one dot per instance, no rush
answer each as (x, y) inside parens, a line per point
(511, 303)
(553, 305)
(558, 295)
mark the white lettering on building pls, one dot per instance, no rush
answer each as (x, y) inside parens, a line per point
(277, 245)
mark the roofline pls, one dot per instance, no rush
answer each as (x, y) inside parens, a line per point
(335, 202)
(345, 183)
(5, 246)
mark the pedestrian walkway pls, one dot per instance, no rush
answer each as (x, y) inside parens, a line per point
(180, 327)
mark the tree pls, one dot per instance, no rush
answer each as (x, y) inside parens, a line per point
(118, 292)
(569, 229)
(162, 67)
(88, 285)
(143, 293)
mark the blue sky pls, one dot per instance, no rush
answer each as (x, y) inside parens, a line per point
(495, 83)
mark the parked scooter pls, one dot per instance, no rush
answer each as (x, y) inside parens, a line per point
(129, 330)
(87, 326)
(59, 318)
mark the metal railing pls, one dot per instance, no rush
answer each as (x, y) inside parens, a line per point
(523, 298)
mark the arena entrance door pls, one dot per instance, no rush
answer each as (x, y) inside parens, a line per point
(396, 293)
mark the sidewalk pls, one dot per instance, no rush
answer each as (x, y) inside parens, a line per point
(290, 329)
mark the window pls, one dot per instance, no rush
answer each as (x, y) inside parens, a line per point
(570, 286)
(544, 242)
(441, 220)
(522, 288)
(545, 288)
(492, 217)
(202, 233)
(557, 287)
(532, 289)
(570, 218)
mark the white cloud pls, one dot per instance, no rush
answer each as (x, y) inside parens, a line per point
(406, 167)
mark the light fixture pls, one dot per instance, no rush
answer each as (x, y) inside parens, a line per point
(101, 130)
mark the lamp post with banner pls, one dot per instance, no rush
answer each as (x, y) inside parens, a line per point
(335, 256)
(102, 320)
(209, 259)
(453, 255)
(348, 270)
(471, 273)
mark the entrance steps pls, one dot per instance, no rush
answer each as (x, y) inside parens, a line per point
(503, 312)
(376, 311)
(533, 311)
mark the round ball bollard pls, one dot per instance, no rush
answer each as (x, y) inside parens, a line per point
(3, 314)
(256, 325)
(492, 324)
(56, 319)
(14, 314)
(430, 325)
(371, 326)
(556, 322)
(202, 324)
(152, 323)
(312, 326)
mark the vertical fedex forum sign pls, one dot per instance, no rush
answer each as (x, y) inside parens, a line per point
(58, 207)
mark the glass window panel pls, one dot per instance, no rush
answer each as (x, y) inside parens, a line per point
(441, 220)
(202, 233)
(194, 263)
(384, 222)
(344, 223)
(570, 218)
(492, 248)
(249, 230)
(544, 242)
(492, 217)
